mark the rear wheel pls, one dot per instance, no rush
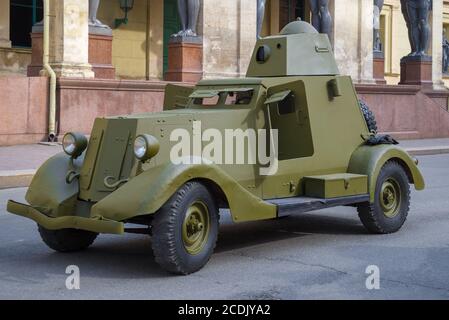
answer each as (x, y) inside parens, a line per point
(67, 240)
(391, 201)
(185, 230)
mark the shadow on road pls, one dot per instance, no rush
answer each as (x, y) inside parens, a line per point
(130, 256)
(237, 236)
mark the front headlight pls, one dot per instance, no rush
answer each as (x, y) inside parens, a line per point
(146, 147)
(74, 144)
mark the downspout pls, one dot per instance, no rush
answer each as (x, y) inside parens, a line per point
(51, 73)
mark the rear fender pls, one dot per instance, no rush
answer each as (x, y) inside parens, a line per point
(369, 160)
(147, 193)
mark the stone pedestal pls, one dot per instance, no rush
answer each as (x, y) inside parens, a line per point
(36, 54)
(379, 68)
(100, 55)
(185, 59)
(416, 70)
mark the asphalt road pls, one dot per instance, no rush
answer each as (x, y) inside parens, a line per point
(321, 255)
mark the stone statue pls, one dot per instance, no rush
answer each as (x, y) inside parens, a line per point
(321, 17)
(445, 54)
(188, 11)
(260, 15)
(378, 4)
(416, 15)
(93, 9)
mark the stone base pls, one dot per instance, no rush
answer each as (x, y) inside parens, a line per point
(185, 60)
(416, 70)
(5, 43)
(379, 70)
(65, 70)
(100, 56)
(37, 50)
(100, 59)
(408, 111)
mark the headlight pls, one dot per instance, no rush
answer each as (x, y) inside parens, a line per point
(145, 147)
(74, 144)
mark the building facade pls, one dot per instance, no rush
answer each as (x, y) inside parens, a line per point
(129, 66)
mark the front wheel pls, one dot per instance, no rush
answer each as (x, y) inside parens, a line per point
(67, 240)
(391, 201)
(185, 230)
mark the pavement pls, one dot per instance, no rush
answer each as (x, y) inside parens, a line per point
(320, 255)
(18, 164)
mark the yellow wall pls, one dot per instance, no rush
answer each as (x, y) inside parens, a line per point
(394, 38)
(132, 56)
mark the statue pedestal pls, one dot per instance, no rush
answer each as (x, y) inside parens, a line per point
(185, 59)
(100, 53)
(416, 70)
(379, 68)
(37, 52)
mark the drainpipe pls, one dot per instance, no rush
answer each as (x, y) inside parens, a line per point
(51, 73)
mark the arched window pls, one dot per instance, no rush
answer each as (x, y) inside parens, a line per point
(24, 14)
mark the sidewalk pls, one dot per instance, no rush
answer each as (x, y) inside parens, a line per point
(18, 164)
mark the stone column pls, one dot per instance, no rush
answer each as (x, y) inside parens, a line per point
(5, 41)
(353, 38)
(246, 34)
(228, 40)
(69, 34)
(437, 47)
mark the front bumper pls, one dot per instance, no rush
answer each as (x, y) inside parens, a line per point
(99, 225)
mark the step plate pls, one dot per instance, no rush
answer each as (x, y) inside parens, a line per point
(289, 206)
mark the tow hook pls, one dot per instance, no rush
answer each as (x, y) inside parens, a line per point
(71, 176)
(115, 184)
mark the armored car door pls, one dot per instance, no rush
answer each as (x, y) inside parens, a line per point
(288, 118)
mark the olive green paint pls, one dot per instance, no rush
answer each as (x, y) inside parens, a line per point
(369, 160)
(336, 185)
(296, 89)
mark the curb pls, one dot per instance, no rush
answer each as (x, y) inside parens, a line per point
(428, 151)
(22, 178)
(16, 178)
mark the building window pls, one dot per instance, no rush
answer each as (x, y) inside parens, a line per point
(290, 10)
(24, 14)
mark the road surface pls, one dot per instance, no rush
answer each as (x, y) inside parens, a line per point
(321, 255)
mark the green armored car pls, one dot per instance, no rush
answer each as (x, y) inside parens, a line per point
(290, 137)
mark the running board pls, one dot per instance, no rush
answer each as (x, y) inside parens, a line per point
(289, 206)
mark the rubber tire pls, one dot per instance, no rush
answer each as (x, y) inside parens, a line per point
(372, 215)
(370, 119)
(168, 247)
(67, 240)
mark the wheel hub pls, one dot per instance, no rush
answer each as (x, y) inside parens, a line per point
(390, 198)
(195, 228)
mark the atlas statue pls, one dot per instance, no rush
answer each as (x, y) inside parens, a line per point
(416, 15)
(321, 17)
(188, 11)
(93, 9)
(378, 4)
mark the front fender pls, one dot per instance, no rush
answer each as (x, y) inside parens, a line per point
(368, 160)
(147, 193)
(49, 190)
